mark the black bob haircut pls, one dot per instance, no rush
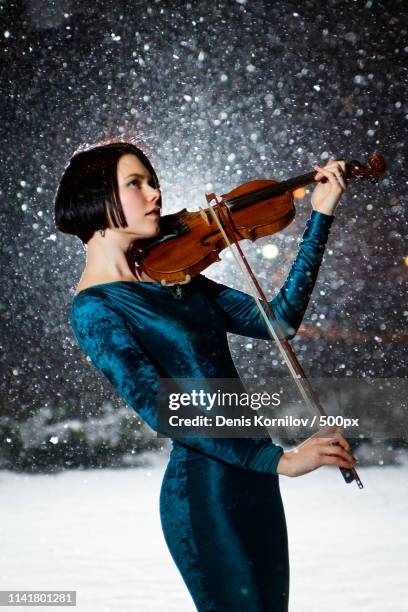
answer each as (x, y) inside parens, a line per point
(87, 198)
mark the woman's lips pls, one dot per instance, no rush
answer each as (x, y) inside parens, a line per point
(154, 213)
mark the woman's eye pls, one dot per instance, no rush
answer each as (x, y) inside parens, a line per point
(135, 182)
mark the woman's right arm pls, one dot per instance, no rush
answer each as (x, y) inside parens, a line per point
(107, 339)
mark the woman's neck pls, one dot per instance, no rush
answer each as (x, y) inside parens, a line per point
(111, 258)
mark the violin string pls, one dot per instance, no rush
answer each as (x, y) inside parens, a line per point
(297, 378)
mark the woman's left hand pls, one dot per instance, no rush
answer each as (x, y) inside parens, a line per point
(326, 196)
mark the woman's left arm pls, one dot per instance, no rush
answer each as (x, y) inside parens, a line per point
(290, 304)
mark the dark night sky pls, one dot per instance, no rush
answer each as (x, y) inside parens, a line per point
(218, 94)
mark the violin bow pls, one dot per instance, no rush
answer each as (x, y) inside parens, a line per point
(223, 220)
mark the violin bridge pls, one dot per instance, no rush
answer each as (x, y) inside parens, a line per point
(204, 215)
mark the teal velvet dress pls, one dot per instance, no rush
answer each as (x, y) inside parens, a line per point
(220, 504)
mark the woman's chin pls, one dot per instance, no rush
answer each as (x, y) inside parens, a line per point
(149, 232)
(157, 230)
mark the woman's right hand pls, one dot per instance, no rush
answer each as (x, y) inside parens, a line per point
(326, 447)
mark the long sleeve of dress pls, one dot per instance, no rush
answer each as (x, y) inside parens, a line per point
(104, 335)
(290, 304)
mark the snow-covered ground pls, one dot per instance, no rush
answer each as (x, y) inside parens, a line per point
(98, 532)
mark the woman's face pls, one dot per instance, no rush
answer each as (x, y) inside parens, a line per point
(139, 198)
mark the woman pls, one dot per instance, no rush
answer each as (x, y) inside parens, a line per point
(220, 503)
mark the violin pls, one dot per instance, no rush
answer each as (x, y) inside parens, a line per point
(189, 242)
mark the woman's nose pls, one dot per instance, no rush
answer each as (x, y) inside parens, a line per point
(154, 194)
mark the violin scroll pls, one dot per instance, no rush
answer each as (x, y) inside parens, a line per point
(376, 168)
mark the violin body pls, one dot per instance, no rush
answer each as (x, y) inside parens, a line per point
(196, 242)
(265, 217)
